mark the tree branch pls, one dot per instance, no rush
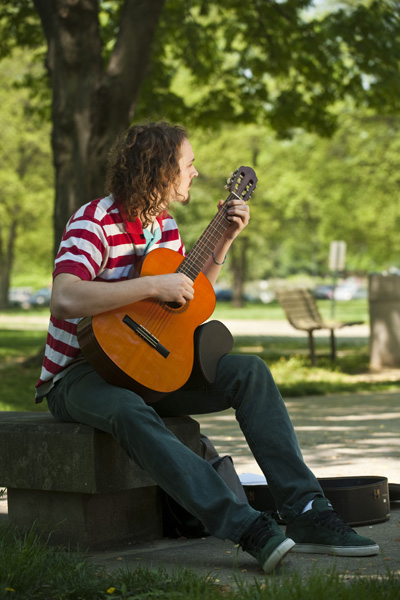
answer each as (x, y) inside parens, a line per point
(128, 64)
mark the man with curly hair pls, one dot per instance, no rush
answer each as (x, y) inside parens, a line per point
(96, 270)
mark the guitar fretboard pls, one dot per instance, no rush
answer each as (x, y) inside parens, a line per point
(205, 245)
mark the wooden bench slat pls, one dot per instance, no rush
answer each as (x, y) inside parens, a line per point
(302, 312)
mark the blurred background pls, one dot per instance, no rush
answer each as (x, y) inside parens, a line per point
(307, 93)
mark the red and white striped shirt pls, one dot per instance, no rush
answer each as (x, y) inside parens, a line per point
(97, 244)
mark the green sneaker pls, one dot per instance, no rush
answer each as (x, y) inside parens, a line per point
(265, 541)
(321, 531)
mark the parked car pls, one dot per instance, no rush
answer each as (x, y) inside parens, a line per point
(323, 292)
(41, 297)
(350, 291)
(226, 295)
(19, 296)
(223, 295)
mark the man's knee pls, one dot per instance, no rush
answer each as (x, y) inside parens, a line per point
(242, 364)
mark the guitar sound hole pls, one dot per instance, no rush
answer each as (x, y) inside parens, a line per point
(175, 306)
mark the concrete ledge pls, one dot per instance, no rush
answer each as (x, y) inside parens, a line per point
(96, 521)
(78, 483)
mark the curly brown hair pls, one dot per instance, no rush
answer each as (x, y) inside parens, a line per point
(143, 165)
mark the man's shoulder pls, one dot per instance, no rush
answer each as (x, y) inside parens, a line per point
(168, 222)
(102, 210)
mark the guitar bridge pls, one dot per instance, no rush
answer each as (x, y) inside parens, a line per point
(146, 335)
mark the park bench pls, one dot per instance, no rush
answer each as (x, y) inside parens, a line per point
(302, 313)
(78, 483)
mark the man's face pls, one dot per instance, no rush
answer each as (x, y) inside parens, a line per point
(187, 172)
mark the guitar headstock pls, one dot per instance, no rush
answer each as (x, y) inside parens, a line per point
(242, 183)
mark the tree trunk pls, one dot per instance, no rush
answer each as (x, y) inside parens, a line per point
(7, 244)
(239, 268)
(92, 104)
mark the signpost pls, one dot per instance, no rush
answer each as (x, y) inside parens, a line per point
(337, 261)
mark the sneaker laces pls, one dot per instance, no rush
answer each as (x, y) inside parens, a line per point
(331, 520)
(258, 533)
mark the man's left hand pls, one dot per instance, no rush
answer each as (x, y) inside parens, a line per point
(239, 216)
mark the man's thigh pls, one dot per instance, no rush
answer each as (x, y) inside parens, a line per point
(200, 397)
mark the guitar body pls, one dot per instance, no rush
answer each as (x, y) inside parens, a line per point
(156, 357)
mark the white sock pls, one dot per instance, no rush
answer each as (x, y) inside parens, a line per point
(307, 507)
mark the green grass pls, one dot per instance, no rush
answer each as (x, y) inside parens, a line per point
(18, 374)
(287, 357)
(30, 569)
(353, 310)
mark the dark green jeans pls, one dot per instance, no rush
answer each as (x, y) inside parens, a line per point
(244, 383)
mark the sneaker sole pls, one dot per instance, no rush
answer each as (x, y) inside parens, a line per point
(337, 550)
(277, 555)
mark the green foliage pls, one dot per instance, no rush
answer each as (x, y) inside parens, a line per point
(261, 68)
(280, 63)
(310, 192)
(18, 376)
(22, 23)
(26, 177)
(360, 186)
(370, 35)
(284, 63)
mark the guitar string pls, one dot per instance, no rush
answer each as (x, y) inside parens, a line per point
(191, 265)
(157, 315)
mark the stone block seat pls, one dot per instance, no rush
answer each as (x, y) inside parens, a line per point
(78, 483)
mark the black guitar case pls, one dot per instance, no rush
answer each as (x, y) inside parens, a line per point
(357, 500)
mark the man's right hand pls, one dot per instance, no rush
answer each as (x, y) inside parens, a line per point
(173, 287)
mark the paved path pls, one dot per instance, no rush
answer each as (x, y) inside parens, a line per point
(280, 328)
(341, 435)
(236, 326)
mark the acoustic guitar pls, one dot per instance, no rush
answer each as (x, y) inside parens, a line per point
(149, 346)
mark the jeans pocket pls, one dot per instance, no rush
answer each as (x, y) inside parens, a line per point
(56, 404)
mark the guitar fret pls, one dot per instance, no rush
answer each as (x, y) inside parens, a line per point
(202, 250)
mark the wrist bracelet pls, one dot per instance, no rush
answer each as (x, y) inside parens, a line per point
(216, 262)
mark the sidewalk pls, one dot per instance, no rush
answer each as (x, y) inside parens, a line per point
(219, 559)
(282, 328)
(340, 435)
(236, 326)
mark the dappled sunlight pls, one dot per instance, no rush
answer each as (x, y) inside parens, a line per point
(341, 435)
(374, 417)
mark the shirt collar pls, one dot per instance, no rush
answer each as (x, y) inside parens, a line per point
(135, 227)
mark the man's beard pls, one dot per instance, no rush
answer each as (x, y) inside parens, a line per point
(186, 201)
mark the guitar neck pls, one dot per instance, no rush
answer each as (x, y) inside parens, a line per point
(241, 185)
(205, 245)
